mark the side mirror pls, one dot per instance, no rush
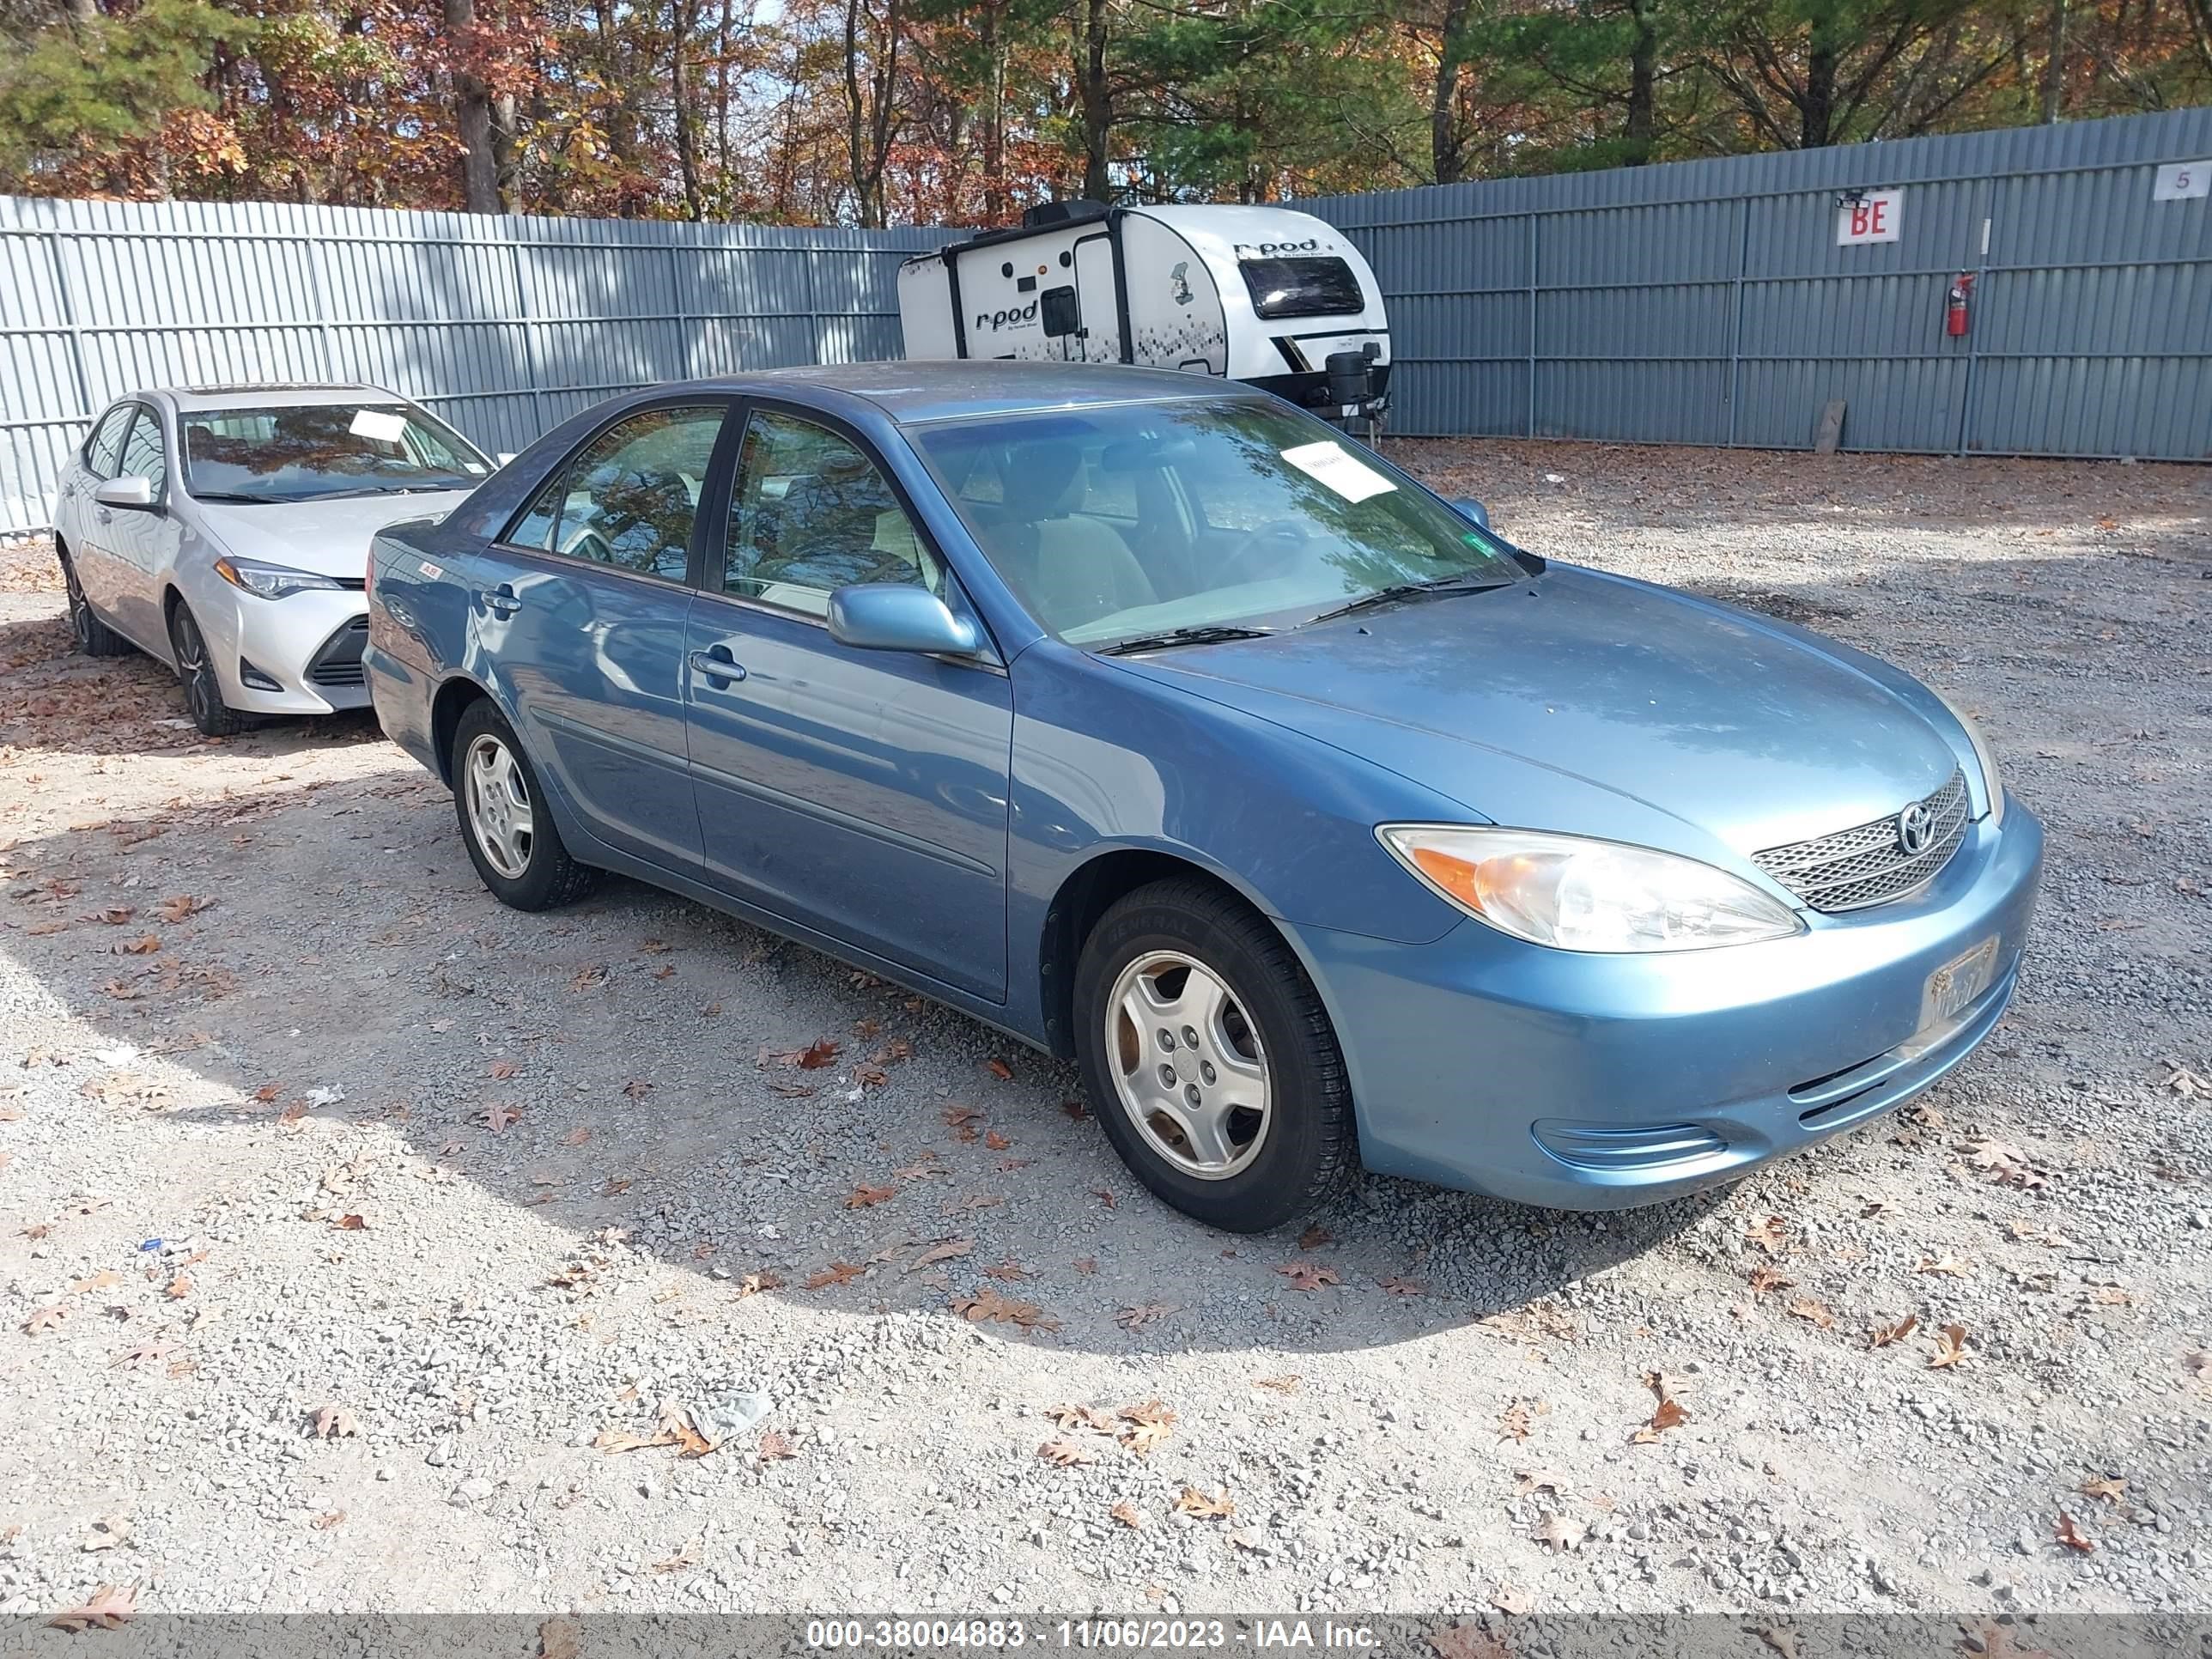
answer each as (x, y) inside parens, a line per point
(125, 492)
(1470, 508)
(895, 617)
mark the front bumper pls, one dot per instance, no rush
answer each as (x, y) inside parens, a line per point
(1584, 1082)
(297, 655)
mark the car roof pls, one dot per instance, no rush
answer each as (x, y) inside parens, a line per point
(279, 394)
(909, 393)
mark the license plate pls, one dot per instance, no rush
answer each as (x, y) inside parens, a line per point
(1954, 986)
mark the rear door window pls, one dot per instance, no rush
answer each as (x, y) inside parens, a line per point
(628, 497)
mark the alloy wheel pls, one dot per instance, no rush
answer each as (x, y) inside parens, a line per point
(1188, 1065)
(499, 805)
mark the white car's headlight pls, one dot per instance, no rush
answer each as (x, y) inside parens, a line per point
(1576, 894)
(1984, 756)
(268, 581)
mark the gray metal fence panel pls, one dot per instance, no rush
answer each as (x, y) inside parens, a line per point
(1708, 302)
(505, 326)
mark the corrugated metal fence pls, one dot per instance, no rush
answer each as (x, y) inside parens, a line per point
(505, 326)
(1709, 302)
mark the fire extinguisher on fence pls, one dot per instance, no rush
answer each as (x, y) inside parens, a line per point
(1955, 307)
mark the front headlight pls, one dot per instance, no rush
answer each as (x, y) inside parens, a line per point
(1984, 756)
(1575, 894)
(268, 581)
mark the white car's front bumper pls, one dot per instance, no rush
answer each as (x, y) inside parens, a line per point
(297, 655)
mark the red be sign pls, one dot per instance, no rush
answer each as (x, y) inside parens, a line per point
(1876, 216)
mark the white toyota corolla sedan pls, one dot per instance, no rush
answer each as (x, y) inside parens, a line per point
(225, 530)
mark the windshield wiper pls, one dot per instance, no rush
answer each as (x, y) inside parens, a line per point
(238, 497)
(1463, 582)
(1202, 634)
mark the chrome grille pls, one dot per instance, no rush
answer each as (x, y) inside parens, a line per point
(1867, 863)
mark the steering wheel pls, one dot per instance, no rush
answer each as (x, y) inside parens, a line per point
(1270, 541)
(588, 544)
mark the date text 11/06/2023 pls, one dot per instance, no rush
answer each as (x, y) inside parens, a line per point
(1103, 1634)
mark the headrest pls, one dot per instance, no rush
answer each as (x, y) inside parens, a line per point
(1043, 477)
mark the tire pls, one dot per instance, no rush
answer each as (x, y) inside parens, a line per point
(505, 821)
(93, 637)
(195, 669)
(1267, 1037)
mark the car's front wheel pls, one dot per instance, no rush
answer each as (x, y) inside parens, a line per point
(505, 823)
(196, 668)
(93, 637)
(1212, 1062)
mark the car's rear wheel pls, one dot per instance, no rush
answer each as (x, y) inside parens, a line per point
(93, 637)
(196, 668)
(1210, 1059)
(505, 823)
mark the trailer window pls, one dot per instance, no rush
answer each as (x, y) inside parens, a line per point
(1301, 287)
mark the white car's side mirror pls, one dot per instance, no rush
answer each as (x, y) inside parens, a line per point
(125, 492)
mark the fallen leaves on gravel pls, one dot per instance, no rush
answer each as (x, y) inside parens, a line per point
(1204, 1506)
(837, 1273)
(1008, 1272)
(2068, 1533)
(945, 1250)
(1532, 1481)
(2005, 1164)
(1066, 1454)
(775, 1446)
(1950, 1348)
(500, 1119)
(559, 1638)
(2109, 1489)
(146, 1353)
(1562, 1532)
(636, 1089)
(1770, 1235)
(181, 906)
(987, 1304)
(1128, 1515)
(1000, 1069)
(107, 1607)
(334, 1422)
(1513, 1600)
(816, 1054)
(502, 1069)
(1092, 1418)
(1812, 1312)
(1148, 1426)
(686, 1557)
(1395, 1285)
(1308, 1275)
(44, 1319)
(1135, 1319)
(1948, 1264)
(1670, 1415)
(1288, 1384)
(1314, 1237)
(1882, 1335)
(863, 1196)
(1075, 1110)
(1518, 1422)
(144, 945)
(1467, 1641)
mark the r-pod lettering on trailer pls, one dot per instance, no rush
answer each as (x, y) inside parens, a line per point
(1012, 317)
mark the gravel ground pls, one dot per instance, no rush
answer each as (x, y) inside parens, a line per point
(364, 1246)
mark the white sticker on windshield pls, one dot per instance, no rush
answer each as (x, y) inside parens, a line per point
(1342, 471)
(378, 425)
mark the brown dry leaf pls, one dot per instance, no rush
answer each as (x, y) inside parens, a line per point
(1395, 1285)
(1075, 1110)
(1149, 1425)
(1528, 1480)
(1128, 1515)
(1314, 1237)
(1882, 1335)
(504, 1069)
(2109, 1489)
(149, 1352)
(1766, 1277)
(1103, 1196)
(501, 1118)
(576, 1136)
(1203, 1506)
(178, 1288)
(335, 1422)
(995, 1141)
(560, 1639)
(1770, 1235)
(1085, 1417)
(587, 979)
(1000, 1069)
(1308, 1275)
(837, 1273)
(1288, 1384)
(616, 1187)
(106, 1280)
(1950, 1265)
(183, 905)
(2005, 1164)
(144, 945)
(1812, 1312)
(636, 1089)
(775, 1446)
(1512, 1600)
(1950, 1348)
(621, 1440)
(1136, 1318)
(685, 1557)
(988, 1304)
(943, 1250)
(109, 1608)
(1008, 1272)
(1065, 1453)
(865, 1197)
(1670, 1415)
(1518, 1422)
(2072, 1536)
(1562, 1532)
(350, 1222)
(816, 1055)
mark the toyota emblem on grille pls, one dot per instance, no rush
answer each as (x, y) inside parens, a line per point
(1916, 827)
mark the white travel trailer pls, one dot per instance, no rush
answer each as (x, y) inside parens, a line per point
(1262, 295)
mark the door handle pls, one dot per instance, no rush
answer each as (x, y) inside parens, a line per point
(717, 664)
(501, 601)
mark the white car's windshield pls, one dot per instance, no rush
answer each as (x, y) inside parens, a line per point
(1126, 522)
(307, 452)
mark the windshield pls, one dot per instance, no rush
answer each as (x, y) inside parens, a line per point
(305, 452)
(1123, 522)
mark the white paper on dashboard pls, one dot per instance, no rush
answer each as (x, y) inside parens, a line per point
(379, 425)
(1342, 471)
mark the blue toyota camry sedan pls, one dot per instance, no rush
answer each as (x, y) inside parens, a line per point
(1162, 727)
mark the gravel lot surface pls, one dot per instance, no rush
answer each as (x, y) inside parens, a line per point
(366, 1246)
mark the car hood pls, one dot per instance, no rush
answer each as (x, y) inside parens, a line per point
(329, 538)
(1593, 704)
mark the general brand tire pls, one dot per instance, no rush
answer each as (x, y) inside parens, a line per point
(528, 870)
(93, 637)
(203, 689)
(1229, 1168)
